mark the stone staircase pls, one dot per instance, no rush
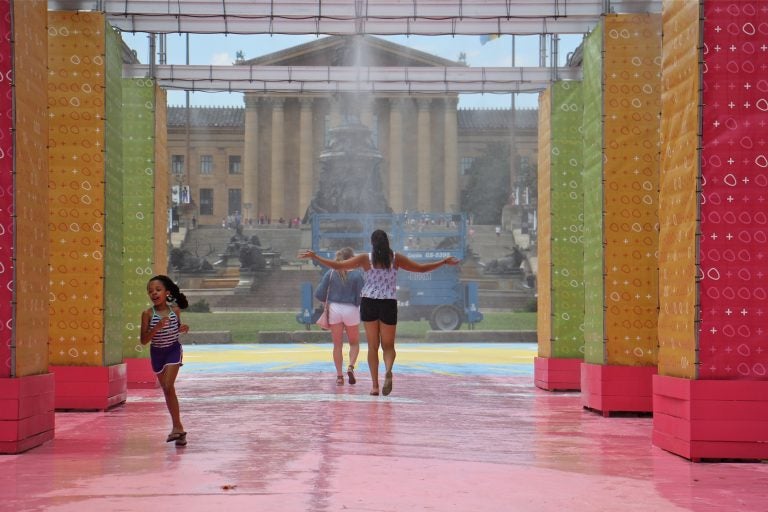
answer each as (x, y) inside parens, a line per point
(271, 290)
(487, 245)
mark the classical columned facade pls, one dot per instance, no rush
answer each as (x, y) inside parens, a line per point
(263, 160)
(285, 135)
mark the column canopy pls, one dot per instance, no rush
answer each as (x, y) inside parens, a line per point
(347, 17)
(305, 79)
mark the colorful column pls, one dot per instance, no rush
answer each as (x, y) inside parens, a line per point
(560, 251)
(140, 104)
(621, 124)
(711, 393)
(162, 175)
(86, 211)
(26, 386)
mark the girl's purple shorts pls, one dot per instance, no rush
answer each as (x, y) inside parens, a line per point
(165, 356)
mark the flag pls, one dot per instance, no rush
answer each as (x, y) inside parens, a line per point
(488, 37)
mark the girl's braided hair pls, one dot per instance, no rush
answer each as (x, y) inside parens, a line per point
(176, 296)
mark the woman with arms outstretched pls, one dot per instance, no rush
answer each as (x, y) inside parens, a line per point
(378, 306)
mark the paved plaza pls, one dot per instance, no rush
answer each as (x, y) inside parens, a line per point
(463, 430)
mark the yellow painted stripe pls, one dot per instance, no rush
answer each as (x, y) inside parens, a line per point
(423, 354)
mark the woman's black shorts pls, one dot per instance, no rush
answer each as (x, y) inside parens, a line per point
(378, 309)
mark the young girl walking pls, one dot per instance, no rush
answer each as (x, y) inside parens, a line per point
(340, 291)
(160, 326)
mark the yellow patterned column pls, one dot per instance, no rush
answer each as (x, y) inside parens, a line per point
(621, 212)
(26, 386)
(162, 186)
(85, 154)
(544, 213)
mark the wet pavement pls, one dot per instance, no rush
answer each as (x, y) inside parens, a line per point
(268, 429)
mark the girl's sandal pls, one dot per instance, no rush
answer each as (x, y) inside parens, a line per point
(339, 380)
(351, 374)
(374, 392)
(182, 440)
(175, 436)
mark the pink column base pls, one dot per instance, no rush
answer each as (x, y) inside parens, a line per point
(607, 388)
(90, 388)
(711, 419)
(557, 374)
(140, 374)
(26, 412)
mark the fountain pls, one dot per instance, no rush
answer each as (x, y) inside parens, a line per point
(350, 181)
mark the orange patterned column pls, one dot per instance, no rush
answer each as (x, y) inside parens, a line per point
(84, 96)
(26, 386)
(621, 213)
(711, 394)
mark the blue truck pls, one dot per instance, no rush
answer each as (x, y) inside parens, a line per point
(438, 296)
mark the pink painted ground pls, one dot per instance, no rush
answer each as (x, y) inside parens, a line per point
(296, 442)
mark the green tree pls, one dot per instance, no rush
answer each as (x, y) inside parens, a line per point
(487, 190)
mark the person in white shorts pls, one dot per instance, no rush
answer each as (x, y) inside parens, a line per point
(340, 290)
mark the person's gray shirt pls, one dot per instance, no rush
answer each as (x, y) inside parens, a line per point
(342, 291)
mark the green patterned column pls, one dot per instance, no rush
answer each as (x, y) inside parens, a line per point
(561, 255)
(113, 228)
(138, 221)
(593, 197)
(567, 226)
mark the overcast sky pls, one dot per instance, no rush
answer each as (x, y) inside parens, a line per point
(221, 50)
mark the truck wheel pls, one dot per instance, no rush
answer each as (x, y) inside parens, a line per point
(445, 318)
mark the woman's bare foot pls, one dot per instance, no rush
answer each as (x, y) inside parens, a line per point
(387, 389)
(374, 392)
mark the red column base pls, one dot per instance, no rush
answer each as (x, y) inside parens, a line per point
(140, 374)
(90, 388)
(26, 412)
(608, 389)
(557, 374)
(711, 419)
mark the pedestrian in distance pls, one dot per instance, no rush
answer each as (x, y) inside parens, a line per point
(160, 327)
(378, 305)
(340, 290)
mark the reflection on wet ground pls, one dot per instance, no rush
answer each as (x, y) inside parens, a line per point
(268, 429)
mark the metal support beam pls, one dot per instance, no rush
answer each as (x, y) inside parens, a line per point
(411, 80)
(344, 17)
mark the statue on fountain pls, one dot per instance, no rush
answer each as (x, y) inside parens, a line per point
(350, 180)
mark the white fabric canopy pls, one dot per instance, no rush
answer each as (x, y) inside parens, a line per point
(412, 80)
(345, 17)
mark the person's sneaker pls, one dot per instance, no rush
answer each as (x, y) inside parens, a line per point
(351, 374)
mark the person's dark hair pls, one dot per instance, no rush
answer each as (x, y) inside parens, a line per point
(380, 251)
(176, 296)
